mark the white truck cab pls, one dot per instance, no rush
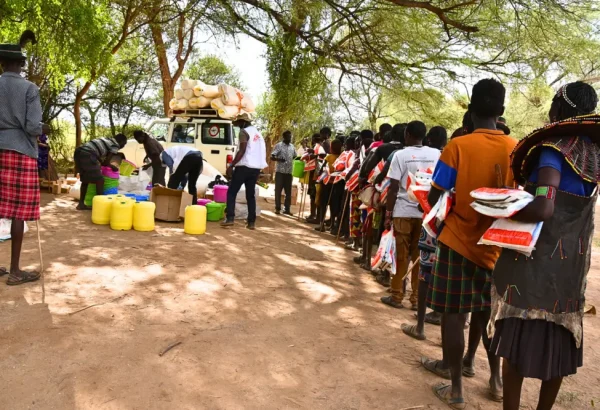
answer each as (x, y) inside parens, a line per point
(215, 137)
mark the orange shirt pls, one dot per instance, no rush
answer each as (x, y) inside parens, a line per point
(467, 163)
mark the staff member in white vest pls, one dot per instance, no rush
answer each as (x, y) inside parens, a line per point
(250, 158)
(185, 165)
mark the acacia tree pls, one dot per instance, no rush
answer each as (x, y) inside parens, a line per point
(211, 69)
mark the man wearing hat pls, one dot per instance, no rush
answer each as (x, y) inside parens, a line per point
(20, 125)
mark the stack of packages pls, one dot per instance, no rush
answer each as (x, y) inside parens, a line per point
(228, 101)
(502, 204)
(111, 185)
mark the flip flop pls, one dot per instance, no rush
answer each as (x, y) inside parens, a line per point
(3, 271)
(468, 371)
(432, 366)
(410, 330)
(389, 300)
(496, 395)
(443, 392)
(433, 319)
(25, 278)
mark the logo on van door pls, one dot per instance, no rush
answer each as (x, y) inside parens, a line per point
(214, 131)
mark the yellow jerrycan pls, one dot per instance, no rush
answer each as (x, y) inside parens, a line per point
(101, 207)
(121, 215)
(195, 220)
(143, 216)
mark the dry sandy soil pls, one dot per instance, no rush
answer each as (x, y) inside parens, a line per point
(278, 318)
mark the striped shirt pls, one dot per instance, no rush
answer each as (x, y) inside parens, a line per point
(20, 115)
(102, 147)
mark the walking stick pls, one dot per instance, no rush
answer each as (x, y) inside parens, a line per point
(346, 205)
(37, 225)
(302, 199)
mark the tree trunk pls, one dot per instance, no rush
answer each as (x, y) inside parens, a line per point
(77, 113)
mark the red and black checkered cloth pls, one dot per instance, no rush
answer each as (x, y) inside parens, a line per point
(457, 285)
(19, 187)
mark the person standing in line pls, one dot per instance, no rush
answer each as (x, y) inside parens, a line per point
(153, 150)
(185, 165)
(284, 153)
(20, 126)
(404, 214)
(250, 159)
(461, 279)
(437, 138)
(538, 317)
(43, 153)
(326, 139)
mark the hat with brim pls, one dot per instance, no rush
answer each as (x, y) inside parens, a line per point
(11, 52)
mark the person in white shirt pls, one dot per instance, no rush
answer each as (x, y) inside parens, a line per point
(250, 159)
(185, 165)
(404, 214)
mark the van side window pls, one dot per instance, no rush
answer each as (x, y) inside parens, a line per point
(184, 134)
(159, 131)
(216, 134)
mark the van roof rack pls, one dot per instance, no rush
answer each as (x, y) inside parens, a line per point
(194, 113)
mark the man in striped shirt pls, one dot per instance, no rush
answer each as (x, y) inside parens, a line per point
(90, 157)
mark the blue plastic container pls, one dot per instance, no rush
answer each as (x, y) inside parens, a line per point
(111, 191)
(141, 198)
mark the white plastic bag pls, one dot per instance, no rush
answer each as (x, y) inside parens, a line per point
(500, 202)
(5, 225)
(135, 182)
(385, 258)
(438, 214)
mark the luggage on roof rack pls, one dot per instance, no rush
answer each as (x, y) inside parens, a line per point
(199, 113)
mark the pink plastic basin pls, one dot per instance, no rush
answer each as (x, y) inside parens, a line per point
(203, 202)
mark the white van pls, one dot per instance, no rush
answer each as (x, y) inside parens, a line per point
(214, 137)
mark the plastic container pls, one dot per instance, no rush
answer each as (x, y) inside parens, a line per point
(109, 173)
(142, 198)
(101, 207)
(195, 220)
(110, 187)
(121, 215)
(220, 193)
(215, 211)
(127, 168)
(298, 168)
(143, 216)
(203, 202)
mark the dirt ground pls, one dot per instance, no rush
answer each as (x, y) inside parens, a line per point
(278, 318)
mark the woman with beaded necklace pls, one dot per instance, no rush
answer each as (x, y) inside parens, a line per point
(537, 323)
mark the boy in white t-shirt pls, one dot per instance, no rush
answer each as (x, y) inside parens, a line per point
(403, 213)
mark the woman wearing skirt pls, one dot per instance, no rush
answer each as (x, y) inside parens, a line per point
(537, 321)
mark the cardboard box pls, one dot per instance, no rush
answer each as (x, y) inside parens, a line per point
(55, 188)
(170, 203)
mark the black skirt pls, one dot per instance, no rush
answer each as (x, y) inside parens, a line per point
(536, 348)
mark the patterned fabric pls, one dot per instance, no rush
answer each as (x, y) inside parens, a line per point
(286, 152)
(458, 285)
(101, 147)
(19, 187)
(88, 166)
(20, 115)
(355, 216)
(428, 247)
(43, 153)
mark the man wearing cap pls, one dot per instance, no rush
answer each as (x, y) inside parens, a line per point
(20, 125)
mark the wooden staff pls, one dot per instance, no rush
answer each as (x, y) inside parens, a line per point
(302, 198)
(37, 225)
(346, 205)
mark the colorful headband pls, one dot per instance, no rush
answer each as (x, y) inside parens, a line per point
(563, 93)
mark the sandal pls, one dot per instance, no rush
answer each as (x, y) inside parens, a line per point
(433, 318)
(443, 392)
(496, 395)
(3, 271)
(389, 300)
(433, 366)
(25, 278)
(411, 330)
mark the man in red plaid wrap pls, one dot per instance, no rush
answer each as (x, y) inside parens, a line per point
(20, 125)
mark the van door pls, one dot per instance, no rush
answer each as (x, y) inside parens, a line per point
(216, 144)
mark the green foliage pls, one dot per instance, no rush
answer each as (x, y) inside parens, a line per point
(213, 70)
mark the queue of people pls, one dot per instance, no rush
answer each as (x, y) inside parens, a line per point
(527, 311)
